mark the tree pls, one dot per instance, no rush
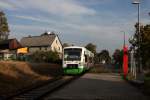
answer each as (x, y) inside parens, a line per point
(118, 58)
(4, 29)
(104, 56)
(91, 47)
(65, 45)
(145, 45)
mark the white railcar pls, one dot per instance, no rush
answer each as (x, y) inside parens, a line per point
(76, 59)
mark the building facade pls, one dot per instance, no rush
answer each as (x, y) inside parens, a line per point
(8, 49)
(44, 42)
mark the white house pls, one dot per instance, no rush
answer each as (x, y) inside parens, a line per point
(46, 42)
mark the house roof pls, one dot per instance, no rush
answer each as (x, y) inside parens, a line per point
(33, 41)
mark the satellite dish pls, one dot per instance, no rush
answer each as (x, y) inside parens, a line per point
(48, 32)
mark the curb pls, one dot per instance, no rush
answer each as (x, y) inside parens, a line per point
(135, 83)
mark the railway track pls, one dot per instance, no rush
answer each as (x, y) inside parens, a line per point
(39, 92)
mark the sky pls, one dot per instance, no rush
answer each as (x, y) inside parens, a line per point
(78, 22)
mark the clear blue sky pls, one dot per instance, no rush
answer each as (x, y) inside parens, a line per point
(76, 21)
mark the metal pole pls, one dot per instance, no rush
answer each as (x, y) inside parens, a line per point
(139, 66)
(139, 19)
(139, 41)
(124, 39)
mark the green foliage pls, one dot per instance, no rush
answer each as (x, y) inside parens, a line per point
(3, 23)
(49, 56)
(104, 55)
(144, 44)
(91, 47)
(118, 58)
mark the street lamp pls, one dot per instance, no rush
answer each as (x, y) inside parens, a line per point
(137, 2)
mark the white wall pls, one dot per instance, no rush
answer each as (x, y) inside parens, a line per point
(56, 46)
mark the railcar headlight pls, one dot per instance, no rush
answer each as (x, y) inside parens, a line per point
(65, 65)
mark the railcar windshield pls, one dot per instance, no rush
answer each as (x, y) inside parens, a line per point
(72, 54)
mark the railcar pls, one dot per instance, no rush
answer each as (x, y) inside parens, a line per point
(76, 60)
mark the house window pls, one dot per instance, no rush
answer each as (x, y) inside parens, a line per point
(56, 41)
(45, 48)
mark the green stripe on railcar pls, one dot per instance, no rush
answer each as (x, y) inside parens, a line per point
(74, 70)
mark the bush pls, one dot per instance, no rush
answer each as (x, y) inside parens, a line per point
(147, 85)
(49, 56)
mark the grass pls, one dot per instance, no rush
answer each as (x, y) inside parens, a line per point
(15, 76)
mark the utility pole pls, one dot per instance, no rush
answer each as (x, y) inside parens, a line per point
(137, 2)
(124, 38)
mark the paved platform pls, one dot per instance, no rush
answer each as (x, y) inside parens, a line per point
(105, 86)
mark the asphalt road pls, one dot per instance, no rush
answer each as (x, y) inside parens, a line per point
(105, 86)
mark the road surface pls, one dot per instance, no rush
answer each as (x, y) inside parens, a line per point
(105, 86)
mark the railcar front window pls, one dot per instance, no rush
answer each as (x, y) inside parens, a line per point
(72, 54)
